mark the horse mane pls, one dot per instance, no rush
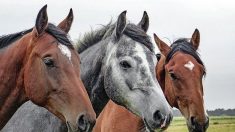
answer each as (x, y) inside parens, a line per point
(92, 37)
(186, 47)
(6, 40)
(131, 30)
(57, 33)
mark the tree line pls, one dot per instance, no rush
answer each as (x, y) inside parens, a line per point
(216, 112)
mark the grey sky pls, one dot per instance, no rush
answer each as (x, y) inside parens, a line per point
(215, 20)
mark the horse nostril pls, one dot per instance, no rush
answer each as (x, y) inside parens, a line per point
(157, 116)
(207, 122)
(198, 126)
(170, 118)
(82, 123)
(193, 122)
(91, 125)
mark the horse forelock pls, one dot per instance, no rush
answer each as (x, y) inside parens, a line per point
(59, 35)
(183, 45)
(138, 35)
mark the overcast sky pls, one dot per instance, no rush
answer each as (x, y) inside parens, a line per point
(170, 19)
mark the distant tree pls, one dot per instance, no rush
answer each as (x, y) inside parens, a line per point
(176, 112)
(221, 112)
(216, 112)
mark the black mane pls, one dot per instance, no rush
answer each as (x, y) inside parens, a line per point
(54, 31)
(131, 30)
(186, 47)
(92, 37)
(6, 40)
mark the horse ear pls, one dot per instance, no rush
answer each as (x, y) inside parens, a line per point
(41, 21)
(66, 24)
(144, 23)
(120, 26)
(195, 40)
(162, 46)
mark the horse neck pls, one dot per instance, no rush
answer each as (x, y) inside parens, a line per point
(12, 93)
(118, 119)
(92, 75)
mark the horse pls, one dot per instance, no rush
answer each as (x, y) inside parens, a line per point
(118, 63)
(115, 118)
(41, 64)
(110, 121)
(125, 71)
(179, 71)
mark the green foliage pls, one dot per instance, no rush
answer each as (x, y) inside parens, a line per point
(217, 124)
(221, 112)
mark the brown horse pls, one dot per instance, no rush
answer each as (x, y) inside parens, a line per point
(180, 76)
(180, 72)
(115, 118)
(41, 65)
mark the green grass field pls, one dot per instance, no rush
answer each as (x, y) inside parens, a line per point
(217, 124)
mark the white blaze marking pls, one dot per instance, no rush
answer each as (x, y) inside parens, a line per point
(156, 94)
(189, 65)
(141, 53)
(65, 51)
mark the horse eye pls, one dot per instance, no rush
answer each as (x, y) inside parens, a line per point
(125, 64)
(158, 56)
(173, 76)
(49, 62)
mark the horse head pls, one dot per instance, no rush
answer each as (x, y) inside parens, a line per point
(180, 72)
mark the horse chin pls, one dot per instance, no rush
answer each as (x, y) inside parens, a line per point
(149, 128)
(70, 128)
(153, 127)
(192, 128)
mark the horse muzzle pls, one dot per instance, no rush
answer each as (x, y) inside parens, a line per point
(195, 126)
(83, 124)
(159, 121)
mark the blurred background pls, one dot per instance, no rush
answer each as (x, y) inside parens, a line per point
(169, 19)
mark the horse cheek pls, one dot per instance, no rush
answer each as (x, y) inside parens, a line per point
(35, 83)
